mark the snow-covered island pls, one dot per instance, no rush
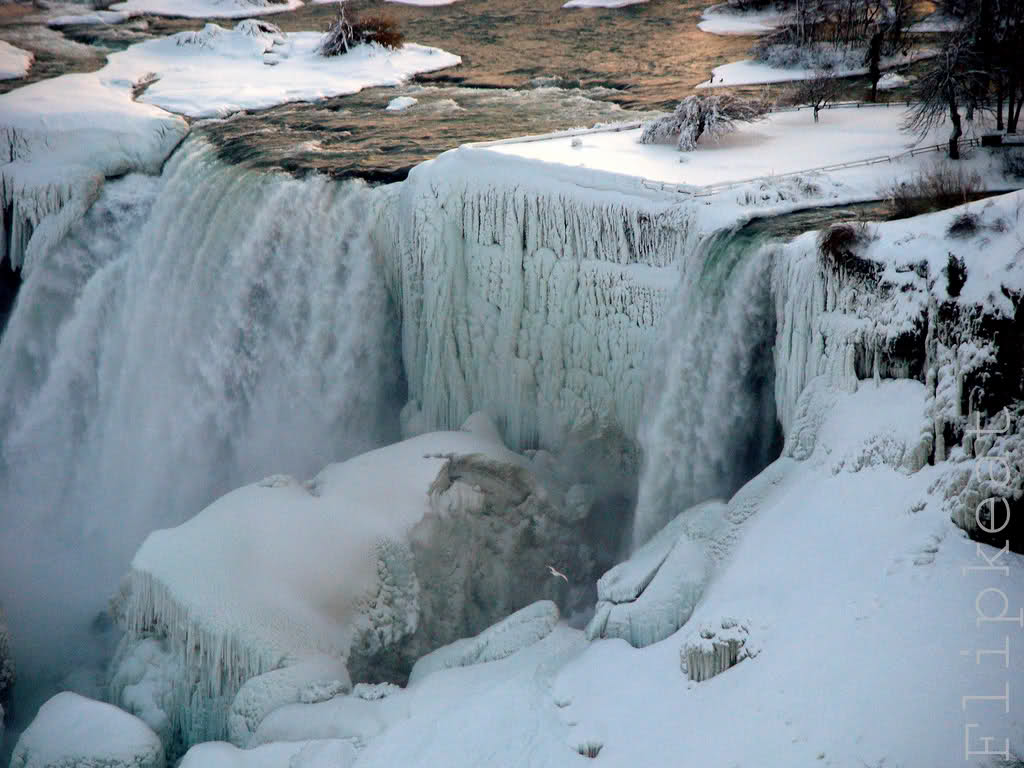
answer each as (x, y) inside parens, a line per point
(693, 441)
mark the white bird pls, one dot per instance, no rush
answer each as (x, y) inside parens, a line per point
(559, 574)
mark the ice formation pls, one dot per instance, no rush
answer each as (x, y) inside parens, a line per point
(71, 731)
(531, 295)
(522, 628)
(375, 562)
(60, 138)
(354, 718)
(713, 649)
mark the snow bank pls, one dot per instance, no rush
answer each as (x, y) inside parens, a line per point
(601, 3)
(723, 20)
(354, 718)
(423, 3)
(521, 629)
(751, 72)
(256, 66)
(207, 9)
(96, 18)
(70, 730)
(14, 62)
(528, 291)
(323, 753)
(400, 104)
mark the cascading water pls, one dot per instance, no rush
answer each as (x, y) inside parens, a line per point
(709, 416)
(193, 333)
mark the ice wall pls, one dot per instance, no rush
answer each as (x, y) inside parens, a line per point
(166, 352)
(529, 290)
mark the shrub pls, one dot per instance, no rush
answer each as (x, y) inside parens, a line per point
(942, 186)
(1013, 163)
(839, 246)
(964, 225)
(347, 31)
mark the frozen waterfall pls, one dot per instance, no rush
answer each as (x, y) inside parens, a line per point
(709, 416)
(191, 334)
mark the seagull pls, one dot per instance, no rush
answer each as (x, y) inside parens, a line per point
(559, 574)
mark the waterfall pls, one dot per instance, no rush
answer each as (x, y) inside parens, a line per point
(191, 334)
(709, 415)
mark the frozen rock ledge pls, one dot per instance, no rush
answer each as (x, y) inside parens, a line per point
(71, 731)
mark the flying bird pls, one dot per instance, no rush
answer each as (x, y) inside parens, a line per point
(559, 574)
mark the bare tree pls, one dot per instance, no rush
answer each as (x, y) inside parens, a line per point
(712, 114)
(950, 81)
(818, 91)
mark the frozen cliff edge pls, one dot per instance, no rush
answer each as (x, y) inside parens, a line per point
(529, 290)
(935, 299)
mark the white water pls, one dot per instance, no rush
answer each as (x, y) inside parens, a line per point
(709, 416)
(192, 334)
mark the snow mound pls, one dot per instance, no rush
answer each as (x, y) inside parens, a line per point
(401, 103)
(71, 730)
(216, 71)
(309, 681)
(523, 628)
(207, 9)
(322, 753)
(14, 62)
(96, 18)
(601, 3)
(723, 20)
(752, 72)
(352, 718)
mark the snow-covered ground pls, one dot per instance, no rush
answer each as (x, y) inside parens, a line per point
(785, 142)
(751, 72)
(721, 20)
(14, 62)
(937, 23)
(601, 3)
(207, 9)
(217, 71)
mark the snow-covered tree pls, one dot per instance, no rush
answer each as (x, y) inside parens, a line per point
(712, 114)
(818, 91)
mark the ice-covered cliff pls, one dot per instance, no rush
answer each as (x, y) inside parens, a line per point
(530, 291)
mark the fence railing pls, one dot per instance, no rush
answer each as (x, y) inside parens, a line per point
(714, 189)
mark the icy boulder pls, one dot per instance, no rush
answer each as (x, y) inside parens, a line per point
(145, 673)
(374, 562)
(71, 731)
(523, 628)
(309, 682)
(651, 595)
(353, 717)
(322, 753)
(713, 649)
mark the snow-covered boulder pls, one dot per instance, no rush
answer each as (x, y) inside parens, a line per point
(309, 682)
(14, 62)
(321, 753)
(71, 731)
(375, 561)
(353, 717)
(523, 628)
(145, 673)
